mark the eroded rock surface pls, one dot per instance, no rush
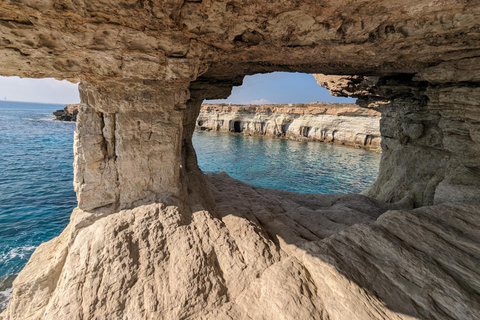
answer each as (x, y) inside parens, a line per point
(344, 124)
(178, 39)
(262, 254)
(431, 153)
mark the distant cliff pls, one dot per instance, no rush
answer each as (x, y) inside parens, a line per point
(338, 123)
(69, 113)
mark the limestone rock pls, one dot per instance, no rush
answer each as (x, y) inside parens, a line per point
(429, 146)
(344, 124)
(262, 254)
(177, 39)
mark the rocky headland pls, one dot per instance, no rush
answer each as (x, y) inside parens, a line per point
(344, 124)
(69, 113)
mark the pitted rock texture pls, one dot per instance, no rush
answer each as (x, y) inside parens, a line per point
(430, 147)
(262, 254)
(344, 124)
(177, 39)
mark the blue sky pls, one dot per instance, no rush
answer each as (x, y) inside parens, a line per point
(280, 87)
(277, 87)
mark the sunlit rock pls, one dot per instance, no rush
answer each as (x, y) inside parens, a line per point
(344, 124)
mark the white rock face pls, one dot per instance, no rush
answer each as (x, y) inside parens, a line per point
(262, 254)
(128, 144)
(345, 124)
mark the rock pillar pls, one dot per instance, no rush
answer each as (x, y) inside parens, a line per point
(128, 144)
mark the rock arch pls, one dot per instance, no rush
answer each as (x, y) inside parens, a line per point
(145, 68)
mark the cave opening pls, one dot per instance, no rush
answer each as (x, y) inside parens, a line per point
(286, 116)
(237, 127)
(304, 131)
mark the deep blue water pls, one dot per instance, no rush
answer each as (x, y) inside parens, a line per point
(36, 174)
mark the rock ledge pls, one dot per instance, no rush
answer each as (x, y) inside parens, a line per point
(260, 254)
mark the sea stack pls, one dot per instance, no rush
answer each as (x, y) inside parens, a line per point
(69, 113)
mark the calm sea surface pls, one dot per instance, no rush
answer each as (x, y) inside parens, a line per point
(308, 167)
(37, 197)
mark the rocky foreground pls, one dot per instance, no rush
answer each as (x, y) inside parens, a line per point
(338, 123)
(261, 254)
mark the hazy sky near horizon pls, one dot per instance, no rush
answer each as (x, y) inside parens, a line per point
(46, 90)
(277, 87)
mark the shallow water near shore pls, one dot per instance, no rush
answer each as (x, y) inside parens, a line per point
(36, 174)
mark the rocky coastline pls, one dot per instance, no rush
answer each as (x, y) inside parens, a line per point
(69, 113)
(336, 123)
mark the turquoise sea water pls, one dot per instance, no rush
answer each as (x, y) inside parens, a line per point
(36, 174)
(307, 167)
(36, 192)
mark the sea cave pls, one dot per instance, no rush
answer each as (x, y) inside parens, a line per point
(155, 238)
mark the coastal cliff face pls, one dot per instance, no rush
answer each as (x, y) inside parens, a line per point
(344, 124)
(153, 238)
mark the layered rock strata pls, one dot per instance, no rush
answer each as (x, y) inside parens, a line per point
(260, 254)
(69, 113)
(430, 145)
(146, 66)
(345, 124)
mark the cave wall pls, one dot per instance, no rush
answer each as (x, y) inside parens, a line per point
(429, 126)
